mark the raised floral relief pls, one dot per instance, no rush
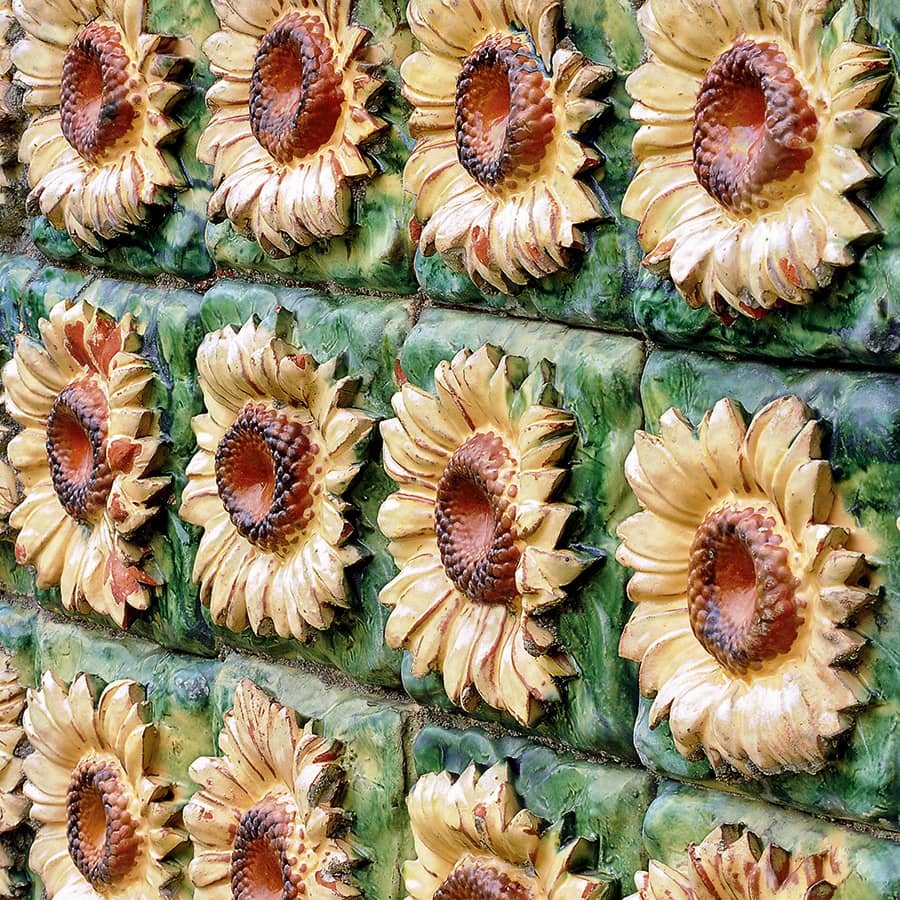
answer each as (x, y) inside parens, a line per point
(498, 106)
(473, 841)
(85, 457)
(732, 863)
(474, 530)
(751, 122)
(745, 589)
(288, 116)
(7, 147)
(13, 804)
(104, 814)
(10, 493)
(265, 822)
(278, 447)
(94, 158)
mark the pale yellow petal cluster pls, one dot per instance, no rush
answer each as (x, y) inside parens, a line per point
(502, 234)
(732, 863)
(104, 194)
(485, 454)
(473, 832)
(6, 21)
(13, 804)
(266, 817)
(291, 198)
(93, 767)
(259, 562)
(745, 588)
(803, 225)
(93, 557)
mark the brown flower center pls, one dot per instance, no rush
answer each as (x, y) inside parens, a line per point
(475, 522)
(480, 882)
(740, 589)
(266, 475)
(94, 109)
(296, 93)
(504, 111)
(103, 836)
(753, 125)
(262, 868)
(76, 449)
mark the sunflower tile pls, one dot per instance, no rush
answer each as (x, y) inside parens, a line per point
(601, 803)
(861, 866)
(596, 380)
(367, 334)
(852, 774)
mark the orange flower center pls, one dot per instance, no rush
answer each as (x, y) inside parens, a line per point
(740, 589)
(94, 109)
(296, 93)
(480, 882)
(504, 111)
(102, 835)
(753, 125)
(475, 523)
(261, 867)
(76, 449)
(266, 475)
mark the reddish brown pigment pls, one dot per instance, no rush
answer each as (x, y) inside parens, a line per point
(504, 111)
(740, 589)
(480, 882)
(753, 125)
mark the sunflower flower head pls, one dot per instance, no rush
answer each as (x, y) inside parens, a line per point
(497, 107)
(473, 840)
(732, 863)
(84, 456)
(104, 816)
(94, 158)
(748, 150)
(745, 589)
(474, 529)
(13, 805)
(288, 116)
(279, 445)
(265, 822)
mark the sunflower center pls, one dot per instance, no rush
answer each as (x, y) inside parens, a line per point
(266, 475)
(94, 108)
(740, 589)
(262, 868)
(753, 125)
(472, 881)
(103, 837)
(475, 523)
(504, 111)
(76, 449)
(296, 91)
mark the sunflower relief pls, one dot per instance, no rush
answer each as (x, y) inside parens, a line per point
(288, 117)
(732, 863)
(498, 104)
(13, 804)
(85, 455)
(746, 589)
(104, 814)
(265, 822)
(278, 447)
(748, 150)
(473, 840)
(94, 160)
(474, 530)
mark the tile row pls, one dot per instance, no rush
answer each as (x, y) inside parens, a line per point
(475, 154)
(716, 594)
(149, 774)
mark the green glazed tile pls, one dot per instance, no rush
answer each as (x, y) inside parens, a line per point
(376, 759)
(604, 804)
(369, 333)
(861, 410)
(597, 376)
(17, 627)
(682, 814)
